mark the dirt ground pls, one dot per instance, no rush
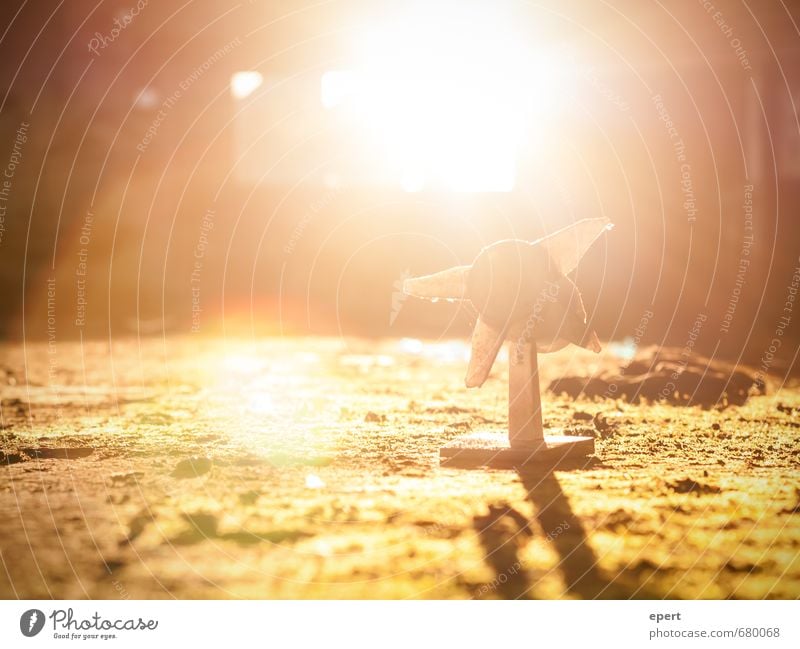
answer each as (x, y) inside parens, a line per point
(194, 468)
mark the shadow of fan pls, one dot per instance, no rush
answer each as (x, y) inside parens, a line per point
(577, 561)
(502, 533)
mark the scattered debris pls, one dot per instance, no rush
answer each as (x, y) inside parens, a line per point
(64, 453)
(19, 406)
(603, 426)
(618, 520)
(249, 497)
(646, 565)
(192, 467)
(138, 524)
(10, 458)
(580, 432)
(667, 375)
(204, 524)
(796, 508)
(622, 511)
(742, 567)
(450, 410)
(687, 485)
(126, 479)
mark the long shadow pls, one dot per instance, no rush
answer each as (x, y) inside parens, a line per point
(577, 561)
(502, 532)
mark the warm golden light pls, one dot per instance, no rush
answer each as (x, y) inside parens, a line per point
(443, 98)
(244, 84)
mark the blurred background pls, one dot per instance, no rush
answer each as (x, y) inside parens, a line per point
(268, 168)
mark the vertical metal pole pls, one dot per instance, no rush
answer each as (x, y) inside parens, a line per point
(524, 402)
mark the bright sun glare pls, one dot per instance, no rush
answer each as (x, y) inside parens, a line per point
(442, 96)
(244, 83)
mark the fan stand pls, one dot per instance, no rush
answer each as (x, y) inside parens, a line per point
(525, 443)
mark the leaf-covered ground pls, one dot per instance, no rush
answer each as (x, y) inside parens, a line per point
(195, 468)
